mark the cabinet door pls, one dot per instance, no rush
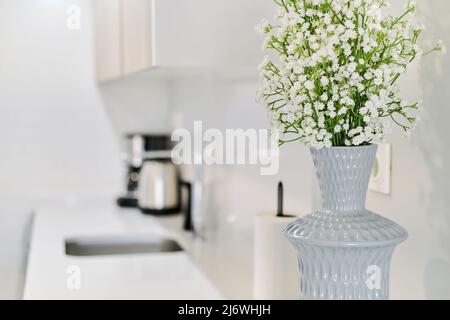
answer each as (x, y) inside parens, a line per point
(136, 35)
(108, 36)
(217, 33)
(180, 32)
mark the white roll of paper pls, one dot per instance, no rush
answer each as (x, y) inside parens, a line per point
(276, 275)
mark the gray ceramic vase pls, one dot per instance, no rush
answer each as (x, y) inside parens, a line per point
(344, 250)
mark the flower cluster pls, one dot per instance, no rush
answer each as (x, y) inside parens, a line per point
(334, 81)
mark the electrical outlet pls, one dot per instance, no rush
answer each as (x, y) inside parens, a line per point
(380, 179)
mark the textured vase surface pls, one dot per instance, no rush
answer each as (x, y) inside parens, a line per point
(344, 250)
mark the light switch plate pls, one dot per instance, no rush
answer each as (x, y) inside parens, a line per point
(380, 179)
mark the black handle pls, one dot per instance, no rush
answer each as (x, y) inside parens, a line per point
(188, 225)
(280, 200)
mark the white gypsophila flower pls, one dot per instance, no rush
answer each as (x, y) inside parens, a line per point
(441, 47)
(335, 81)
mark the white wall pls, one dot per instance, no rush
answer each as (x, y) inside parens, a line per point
(55, 139)
(137, 103)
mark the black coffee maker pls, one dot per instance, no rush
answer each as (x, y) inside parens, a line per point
(138, 146)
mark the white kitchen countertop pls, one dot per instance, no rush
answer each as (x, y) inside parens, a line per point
(220, 267)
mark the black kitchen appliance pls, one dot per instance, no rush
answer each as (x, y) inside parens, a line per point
(138, 146)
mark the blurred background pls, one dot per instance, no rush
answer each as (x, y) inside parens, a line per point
(74, 81)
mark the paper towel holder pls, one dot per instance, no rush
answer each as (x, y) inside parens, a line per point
(280, 199)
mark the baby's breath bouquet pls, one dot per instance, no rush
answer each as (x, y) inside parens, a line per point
(334, 79)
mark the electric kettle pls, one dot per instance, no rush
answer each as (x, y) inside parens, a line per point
(160, 189)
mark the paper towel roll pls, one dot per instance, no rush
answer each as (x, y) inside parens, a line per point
(276, 274)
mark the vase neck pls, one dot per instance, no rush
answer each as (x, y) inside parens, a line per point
(343, 175)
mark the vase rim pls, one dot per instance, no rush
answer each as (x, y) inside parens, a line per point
(369, 146)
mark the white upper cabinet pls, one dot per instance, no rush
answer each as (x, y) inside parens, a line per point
(137, 30)
(217, 33)
(108, 39)
(135, 35)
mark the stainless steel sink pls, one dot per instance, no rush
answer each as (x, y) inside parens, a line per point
(119, 245)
